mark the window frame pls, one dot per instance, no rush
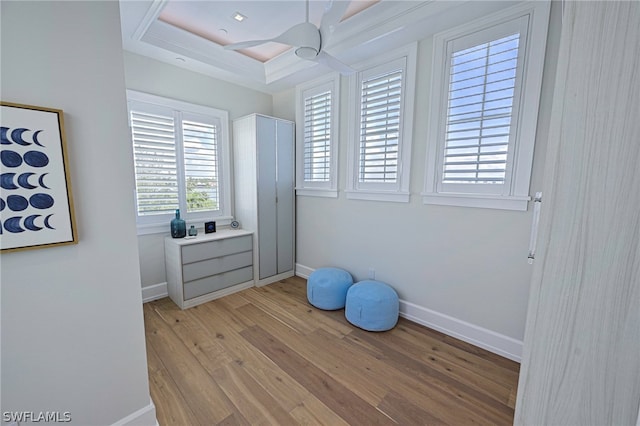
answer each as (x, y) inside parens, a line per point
(514, 194)
(185, 111)
(398, 191)
(318, 189)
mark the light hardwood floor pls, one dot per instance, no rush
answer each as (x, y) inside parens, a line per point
(266, 356)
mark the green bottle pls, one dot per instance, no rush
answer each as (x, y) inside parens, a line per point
(178, 226)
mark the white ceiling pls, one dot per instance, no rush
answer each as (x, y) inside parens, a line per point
(214, 20)
(188, 33)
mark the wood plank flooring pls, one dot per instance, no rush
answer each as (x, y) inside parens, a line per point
(265, 356)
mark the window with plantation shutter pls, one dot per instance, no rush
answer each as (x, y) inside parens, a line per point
(486, 89)
(317, 137)
(380, 106)
(317, 140)
(180, 154)
(481, 101)
(154, 154)
(200, 143)
(382, 124)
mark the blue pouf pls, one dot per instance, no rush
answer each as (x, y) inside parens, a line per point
(372, 306)
(327, 288)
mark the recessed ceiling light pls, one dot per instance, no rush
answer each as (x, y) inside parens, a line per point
(179, 59)
(223, 31)
(239, 17)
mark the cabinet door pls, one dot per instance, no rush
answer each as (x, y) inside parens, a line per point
(267, 223)
(285, 205)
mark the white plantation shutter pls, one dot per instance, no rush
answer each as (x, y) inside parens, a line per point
(382, 95)
(180, 159)
(201, 166)
(155, 163)
(380, 110)
(485, 90)
(482, 93)
(317, 137)
(317, 116)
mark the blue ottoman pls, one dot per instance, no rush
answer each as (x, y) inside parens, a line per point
(372, 306)
(327, 288)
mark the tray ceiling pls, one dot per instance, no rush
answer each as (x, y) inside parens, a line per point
(192, 34)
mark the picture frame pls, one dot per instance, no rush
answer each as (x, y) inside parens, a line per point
(209, 227)
(36, 203)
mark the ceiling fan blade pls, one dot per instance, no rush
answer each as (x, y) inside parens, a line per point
(304, 34)
(245, 44)
(333, 63)
(334, 11)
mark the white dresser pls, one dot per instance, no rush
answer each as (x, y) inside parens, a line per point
(208, 266)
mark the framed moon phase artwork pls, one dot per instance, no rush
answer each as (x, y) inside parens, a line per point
(36, 206)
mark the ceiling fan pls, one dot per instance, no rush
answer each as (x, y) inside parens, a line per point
(308, 40)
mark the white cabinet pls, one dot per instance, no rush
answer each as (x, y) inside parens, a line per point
(264, 192)
(208, 266)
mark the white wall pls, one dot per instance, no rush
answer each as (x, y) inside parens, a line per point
(284, 104)
(72, 326)
(465, 263)
(158, 78)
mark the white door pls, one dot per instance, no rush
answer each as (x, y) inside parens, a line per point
(581, 362)
(267, 213)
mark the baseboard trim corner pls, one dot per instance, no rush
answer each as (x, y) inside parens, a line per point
(486, 339)
(146, 416)
(303, 271)
(154, 292)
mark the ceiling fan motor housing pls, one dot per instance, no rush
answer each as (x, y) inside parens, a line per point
(307, 40)
(306, 52)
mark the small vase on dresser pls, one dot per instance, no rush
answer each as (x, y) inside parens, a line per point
(178, 226)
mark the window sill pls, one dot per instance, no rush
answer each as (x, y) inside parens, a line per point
(395, 197)
(483, 201)
(165, 228)
(317, 192)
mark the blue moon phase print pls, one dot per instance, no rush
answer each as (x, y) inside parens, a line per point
(35, 183)
(10, 159)
(41, 181)
(16, 135)
(6, 181)
(3, 136)
(29, 223)
(17, 203)
(23, 180)
(41, 201)
(13, 225)
(35, 138)
(46, 222)
(36, 158)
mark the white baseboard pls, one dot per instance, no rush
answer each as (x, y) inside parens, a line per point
(146, 416)
(154, 292)
(490, 340)
(303, 271)
(274, 278)
(486, 339)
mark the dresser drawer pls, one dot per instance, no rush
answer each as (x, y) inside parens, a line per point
(201, 251)
(217, 265)
(217, 282)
